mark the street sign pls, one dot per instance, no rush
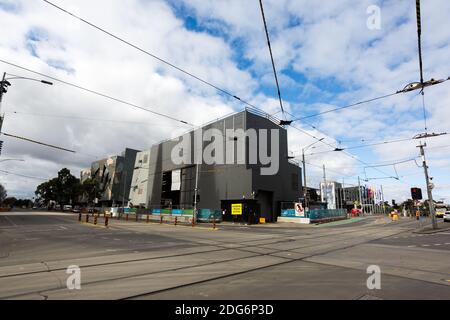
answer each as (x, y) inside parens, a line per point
(236, 209)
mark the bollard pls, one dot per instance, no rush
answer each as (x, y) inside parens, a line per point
(137, 217)
(161, 220)
(176, 220)
(214, 223)
(126, 217)
(106, 221)
(193, 222)
(95, 220)
(148, 218)
(80, 217)
(87, 218)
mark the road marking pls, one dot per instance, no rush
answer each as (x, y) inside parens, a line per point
(425, 245)
(438, 244)
(10, 221)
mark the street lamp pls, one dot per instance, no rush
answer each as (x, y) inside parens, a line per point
(304, 169)
(4, 84)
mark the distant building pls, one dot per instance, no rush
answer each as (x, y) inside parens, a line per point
(140, 183)
(114, 176)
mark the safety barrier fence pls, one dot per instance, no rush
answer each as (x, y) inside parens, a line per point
(155, 215)
(317, 214)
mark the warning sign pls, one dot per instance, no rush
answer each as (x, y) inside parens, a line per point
(236, 209)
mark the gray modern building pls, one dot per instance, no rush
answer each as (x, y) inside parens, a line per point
(160, 181)
(114, 177)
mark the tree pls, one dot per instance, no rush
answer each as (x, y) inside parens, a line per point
(64, 189)
(47, 191)
(10, 201)
(91, 190)
(3, 194)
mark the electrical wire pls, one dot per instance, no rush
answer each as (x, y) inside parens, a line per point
(366, 145)
(87, 119)
(96, 92)
(22, 175)
(271, 56)
(37, 142)
(170, 64)
(346, 107)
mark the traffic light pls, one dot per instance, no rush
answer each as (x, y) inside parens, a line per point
(416, 193)
(4, 86)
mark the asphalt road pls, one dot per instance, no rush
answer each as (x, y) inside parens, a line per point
(136, 260)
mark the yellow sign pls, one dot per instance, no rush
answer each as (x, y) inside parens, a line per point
(236, 209)
(262, 220)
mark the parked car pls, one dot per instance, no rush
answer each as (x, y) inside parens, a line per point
(67, 207)
(76, 209)
(447, 216)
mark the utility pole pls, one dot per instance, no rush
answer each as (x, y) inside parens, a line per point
(360, 194)
(429, 187)
(305, 191)
(382, 199)
(196, 193)
(343, 195)
(325, 187)
(124, 187)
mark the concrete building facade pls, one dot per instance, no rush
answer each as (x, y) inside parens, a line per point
(114, 176)
(163, 183)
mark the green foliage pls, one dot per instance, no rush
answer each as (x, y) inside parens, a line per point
(91, 190)
(64, 189)
(3, 194)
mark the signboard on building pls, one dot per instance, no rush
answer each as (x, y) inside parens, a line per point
(299, 210)
(237, 209)
(176, 180)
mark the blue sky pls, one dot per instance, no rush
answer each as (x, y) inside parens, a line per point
(325, 54)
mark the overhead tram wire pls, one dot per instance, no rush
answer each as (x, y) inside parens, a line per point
(225, 92)
(271, 57)
(419, 40)
(22, 175)
(367, 145)
(170, 64)
(37, 142)
(347, 106)
(74, 117)
(97, 93)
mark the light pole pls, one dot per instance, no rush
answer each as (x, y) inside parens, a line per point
(197, 174)
(429, 187)
(305, 192)
(4, 84)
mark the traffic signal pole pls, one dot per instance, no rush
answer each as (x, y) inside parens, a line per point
(429, 187)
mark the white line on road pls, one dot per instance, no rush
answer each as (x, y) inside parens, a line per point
(10, 221)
